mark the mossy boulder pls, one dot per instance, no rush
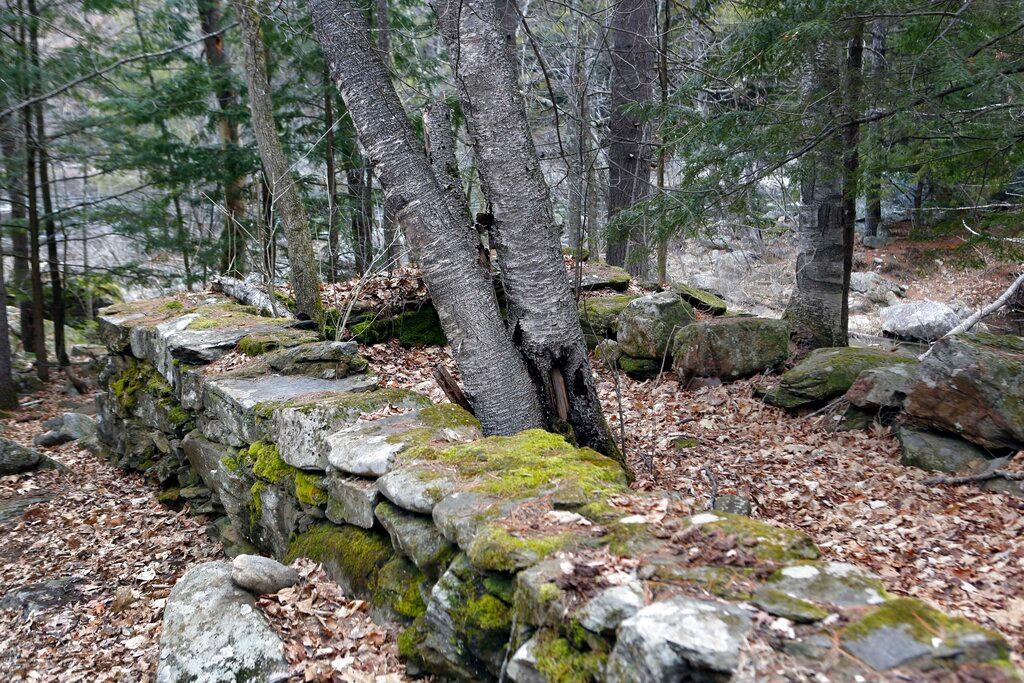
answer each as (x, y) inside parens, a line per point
(352, 556)
(973, 386)
(939, 452)
(730, 348)
(599, 275)
(908, 633)
(767, 542)
(798, 591)
(413, 328)
(324, 359)
(399, 588)
(647, 323)
(599, 316)
(640, 368)
(700, 299)
(826, 374)
(263, 341)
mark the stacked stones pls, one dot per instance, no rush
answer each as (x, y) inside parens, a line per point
(522, 554)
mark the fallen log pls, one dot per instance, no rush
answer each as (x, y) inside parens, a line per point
(250, 295)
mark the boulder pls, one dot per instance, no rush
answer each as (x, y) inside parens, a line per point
(730, 348)
(326, 359)
(605, 611)
(599, 316)
(826, 374)
(875, 287)
(884, 388)
(938, 452)
(262, 575)
(700, 299)
(15, 458)
(918, 320)
(416, 537)
(973, 385)
(599, 275)
(679, 639)
(214, 631)
(640, 368)
(351, 500)
(908, 633)
(647, 323)
(69, 427)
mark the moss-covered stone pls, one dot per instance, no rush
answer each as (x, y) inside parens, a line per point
(261, 342)
(447, 416)
(768, 543)
(599, 316)
(352, 556)
(730, 348)
(560, 662)
(230, 315)
(700, 299)
(136, 377)
(495, 549)
(640, 368)
(397, 587)
(414, 328)
(345, 403)
(267, 464)
(782, 605)
(309, 488)
(826, 374)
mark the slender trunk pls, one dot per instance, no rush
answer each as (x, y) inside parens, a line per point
(577, 159)
(818, 308)
(389, 245)
(14, 155)
(496, 379)
(853, 79)
(917, 217)
(8, 389)
(234, 238)
(437, 128)
(36, 278)
(52, 256)
(542, 315)
(873, 170)
(663, 83)
(304, 276)
(332, 180)
(634, 46)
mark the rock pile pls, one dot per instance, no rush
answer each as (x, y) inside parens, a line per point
(521, 554)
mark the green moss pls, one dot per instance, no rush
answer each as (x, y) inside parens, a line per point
(398, 587)
(684, 442)
(486, 613)
(169, 496)
(447, 416)
(138, 376)
(730, 583)
(528, 464)
(560, 662)
(769, 543)
(353, 553)
(178, 416)
(174, 306)
(231, 315)
(255, 504)
(267, 463)
(923, 623)
(258, 343)
(826, 374)
(308, 488)
(502, 586)
(640, 368)
(495, 549)
(785, 605)
(411, 639)
(599, 316)
(700, 299)
(414, 328)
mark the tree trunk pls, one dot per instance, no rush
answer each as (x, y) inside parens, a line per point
(332, 180)
(853, 80)
(14, 155)
(873, 170)
(36, 279)
(8, 390)
(495, 377)
(233, 257)
(663, 84)
(542, 316)
(52, 257)
(389, 245)
(634, 46)
(577, 159)
(818, 308)
(304, 276)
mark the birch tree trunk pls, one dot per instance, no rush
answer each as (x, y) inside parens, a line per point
(873, 170)
(496, 380)
(389, 246)
(634, 47)
(818, 308)
(304, 276)
(233, 257)
(542, 316)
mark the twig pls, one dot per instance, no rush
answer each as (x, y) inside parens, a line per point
(451, 388)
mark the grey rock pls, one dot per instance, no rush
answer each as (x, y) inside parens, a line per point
(829, 583)
(351, 500)
(919, 320)
(15, 458)
(280, 517)
(522, 667)
(888, 647)
(261, 575)
(730, 348)
(940, 453)
(606, 610)
(214, 631)
(647, 324)
(884, 388)
(417, 489)
(416, 537)
(679, 639)
(737, 505)
(826, 374)
(326, 360)
(597, 275)
(39, 597)
(460, 515)
(14, 506)
(874, 286)
(368, 449)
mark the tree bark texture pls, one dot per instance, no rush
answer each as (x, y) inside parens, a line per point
(52, 257)
(332, 180)
(35, 271)
(634, 48)
(493, 373)
(233, 258)
(543, 319)
(817, 308)
(873, 171)
(304, 276)
(389, 227)
(14, 155)
(8, 390)
(853, 81)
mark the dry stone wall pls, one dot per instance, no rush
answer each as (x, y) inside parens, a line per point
(522, 557)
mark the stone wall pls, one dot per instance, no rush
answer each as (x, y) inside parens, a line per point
(520, 557)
